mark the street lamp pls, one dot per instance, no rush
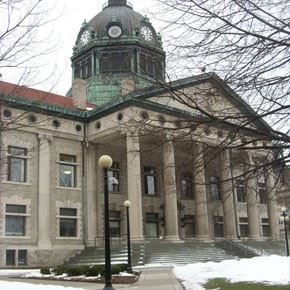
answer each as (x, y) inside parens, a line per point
(284, 218)
(105, 162)
(127, 205)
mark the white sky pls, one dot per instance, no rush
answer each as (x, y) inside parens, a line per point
(274, 270)
(65, 30)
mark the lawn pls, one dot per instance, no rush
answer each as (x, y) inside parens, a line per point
(223, 284)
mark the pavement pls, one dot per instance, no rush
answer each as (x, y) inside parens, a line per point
(150, 279)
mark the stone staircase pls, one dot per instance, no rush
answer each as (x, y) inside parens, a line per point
(119, 255)
(162, 252)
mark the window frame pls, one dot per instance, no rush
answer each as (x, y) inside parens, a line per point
(152, 218)
(188, 178)
(21, 216)
(214, 187)
(219, 223)
(72, 165)
(115, 171)
(240, 187)
(115, 217)
(244, 223)
(67, 217)
(150, 172)
(20, 157)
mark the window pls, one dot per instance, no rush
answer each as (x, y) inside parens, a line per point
(186, 185)
(83, 69)
(150, 180)
(10, 257)
(115, 62)
(67, 170)
(15, 220)
(262, 193)
(243, 226)
(240, 190)
(151, 227)
(214, 188)
(113, 177)
(188, 222)
(68, 222)
(218, 226)
(115, 221)
(17, 163)
(265, 227)
(13, 255)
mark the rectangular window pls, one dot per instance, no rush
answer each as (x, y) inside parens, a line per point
(15, 220)
(218, 226)
(240, 190)
(265, 227)
(186, 185)
(262, 193)
(114, 177)
(244, 229)
(17, 164)
(10, 257)
(214, 183)
(150, 180)
(67, 170)
(115, 62)
(22, 257)
(115, 221)
(189, 225)
(151, 227)
(68, 222)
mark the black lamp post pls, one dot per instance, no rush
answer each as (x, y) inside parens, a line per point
(284, 218)
(105, 162)
(127, 205)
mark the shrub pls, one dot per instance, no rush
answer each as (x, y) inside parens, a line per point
(95, 270)
(59, 270)
(76, 270)
(117, 268)
(45, 271)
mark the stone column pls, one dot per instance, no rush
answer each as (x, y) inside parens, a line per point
(170, 198)
(273, 214)
(134, 186)
(44, 180)
(252, 201)
(230, 230)
(201, 212)
(91, 196)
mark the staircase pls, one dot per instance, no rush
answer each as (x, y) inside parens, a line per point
(119, 255)
(162, 252)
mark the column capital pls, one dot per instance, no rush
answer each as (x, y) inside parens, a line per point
(44, 137)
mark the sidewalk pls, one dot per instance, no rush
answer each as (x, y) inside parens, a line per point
(150, 279)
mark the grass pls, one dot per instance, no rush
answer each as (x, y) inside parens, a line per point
(223, 284)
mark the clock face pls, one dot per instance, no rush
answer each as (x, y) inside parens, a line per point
(85, 37)
(146, 33)
(115, 31)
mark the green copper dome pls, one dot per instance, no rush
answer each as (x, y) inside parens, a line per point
(116, 48)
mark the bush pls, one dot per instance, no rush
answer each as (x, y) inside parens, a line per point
(45, 271)
(59, 270)
(95, 270)
(117, 268)
(76, 271)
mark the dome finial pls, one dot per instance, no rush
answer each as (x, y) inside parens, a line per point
(117, 2)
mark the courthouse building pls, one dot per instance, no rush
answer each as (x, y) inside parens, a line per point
(169, 156)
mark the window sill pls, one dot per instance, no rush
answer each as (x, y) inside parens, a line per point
(69, 188)
(16, 237)
(16, 183)
(68, 238)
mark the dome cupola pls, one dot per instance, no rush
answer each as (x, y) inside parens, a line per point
(118, 46)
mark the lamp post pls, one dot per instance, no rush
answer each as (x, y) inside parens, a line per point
(105, 162)
(284, 218)
(127, 205)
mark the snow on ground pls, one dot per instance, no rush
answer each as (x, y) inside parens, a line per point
(25, 286)
(266, 269)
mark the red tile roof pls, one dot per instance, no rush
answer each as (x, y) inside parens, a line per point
(23, 92)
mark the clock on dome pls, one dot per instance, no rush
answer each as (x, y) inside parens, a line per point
(85, 37)
(114, 31)
(146, 33)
